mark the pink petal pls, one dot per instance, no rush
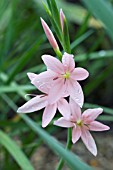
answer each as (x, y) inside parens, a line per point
(75, 110)
(89, 141)
(79, 74)
(91, 114)
(97, 126)
(44, 80)
(68, 62)
(76, 92)
(48, 114)
(32, 76)
(35, 104)
(76, 133)
(57, 91)
(62, 122)
(64, 109)
(46, 76)
(53, 64)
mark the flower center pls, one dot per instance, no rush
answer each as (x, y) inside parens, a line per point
(66, 75)
(79, 123)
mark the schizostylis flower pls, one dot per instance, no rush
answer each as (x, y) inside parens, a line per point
(82, 124)
(40, 101)
(63, 77)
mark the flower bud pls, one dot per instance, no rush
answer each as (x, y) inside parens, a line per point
(62, 17)
(50, 35)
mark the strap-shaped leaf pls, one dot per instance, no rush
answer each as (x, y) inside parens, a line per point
(15, 151)
(103, 11)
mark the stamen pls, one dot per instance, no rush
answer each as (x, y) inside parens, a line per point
(66, 75)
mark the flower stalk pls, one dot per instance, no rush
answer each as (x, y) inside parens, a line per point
(68, 147)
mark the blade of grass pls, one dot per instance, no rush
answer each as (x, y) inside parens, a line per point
(98, 80)
(24, 59)
(95, 55)
(79, 40)
(15, 88)
(15, 151)
(103, 11)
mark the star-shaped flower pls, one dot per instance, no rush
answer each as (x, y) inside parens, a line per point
(63, 77)
(82, 124)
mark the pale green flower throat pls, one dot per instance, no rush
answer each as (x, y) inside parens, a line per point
(79, 123)
(67, 75)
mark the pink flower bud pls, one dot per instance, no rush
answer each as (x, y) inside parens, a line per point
(62, 17)
(49, 35)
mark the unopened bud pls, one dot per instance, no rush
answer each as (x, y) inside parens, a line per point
(62, 17)
(50, 35)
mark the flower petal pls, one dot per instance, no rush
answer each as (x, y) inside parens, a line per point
(46, 76)
(76, 92)
(89, 141)
(76, 133)
(32, 76)
(75, 110)
(62, 122)
(90, 115)
(97, 126)
(48, 114)
(44, 80)
(57, 91)
(79, 74)
(68, 62)
(53, 64)
(34, 104)
(64, 109)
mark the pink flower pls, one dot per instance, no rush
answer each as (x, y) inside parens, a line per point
(41, 101)
(50, 35)
(82, 124)
(63, 77)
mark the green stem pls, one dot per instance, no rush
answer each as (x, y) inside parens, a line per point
(59, 54)
(68, 147)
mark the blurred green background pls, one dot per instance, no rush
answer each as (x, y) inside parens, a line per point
(22, 42)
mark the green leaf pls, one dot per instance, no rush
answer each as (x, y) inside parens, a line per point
(95, 55)
(79, 40)
(66, 39)
(24, 59)
(98, 80)
(15, 151)
(105, 118)
(103, 11)
(55, 13)
(49, 5)
(16, 88)
(72, 160)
